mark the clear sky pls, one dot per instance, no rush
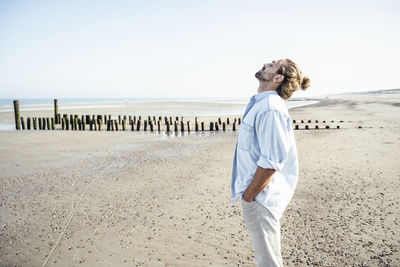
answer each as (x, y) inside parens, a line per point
(205, 48)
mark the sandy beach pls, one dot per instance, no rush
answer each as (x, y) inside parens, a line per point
(73, 198)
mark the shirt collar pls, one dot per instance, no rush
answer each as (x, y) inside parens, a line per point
(261, 95)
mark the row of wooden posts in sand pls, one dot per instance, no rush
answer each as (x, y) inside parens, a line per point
(132, 123)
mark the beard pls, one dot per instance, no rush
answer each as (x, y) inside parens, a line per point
(259, 75)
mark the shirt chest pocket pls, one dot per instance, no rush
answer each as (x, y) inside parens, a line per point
(245, 136)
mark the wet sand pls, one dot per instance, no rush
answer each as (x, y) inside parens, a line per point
(134, 199)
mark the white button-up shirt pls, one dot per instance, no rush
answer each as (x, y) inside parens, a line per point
(266, 139)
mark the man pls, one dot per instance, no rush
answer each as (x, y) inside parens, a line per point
(265, 167)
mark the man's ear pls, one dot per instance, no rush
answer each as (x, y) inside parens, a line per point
(278, 78)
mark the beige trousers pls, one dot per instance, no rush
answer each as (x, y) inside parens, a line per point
(265, 233)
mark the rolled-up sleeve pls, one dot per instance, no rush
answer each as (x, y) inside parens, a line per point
(272, 129)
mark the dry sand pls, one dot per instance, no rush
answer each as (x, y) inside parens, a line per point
(134, 199)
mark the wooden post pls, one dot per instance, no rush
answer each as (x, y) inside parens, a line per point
(216, 126)
(145, 125)
(16, 114)
(119, 119)
(219, 120)
(66, 123)
(188, 126)
(22, 123)
(202, 126)
(170, 120)
(306, 127)
(90, 125)
(130, 119)
(35, 123)
(105, 119)
(56, 111)
(124, 125)
(158, 125)
(240, 121)
(28, 120)
(167, 123)
(63, 123)
(294, 121)
(138, 126)
(175, 126)
(316, 127)
(132, 125)
(151, 126)
(302, 121)
(108, 126)
(112, 124)
(296, 127)
(53, 126)
(234, 126)
(316, 121)
(83, 125)
(211, 126)
(338, 127)
(116, 125)
(227, 121)
(223, 126)
(100, 122)
(196, 126)
(71, 121)
(78, 121)
(182, 126)
(40, 123)
(48, 123)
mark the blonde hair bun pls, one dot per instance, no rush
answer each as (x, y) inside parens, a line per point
(305, 83)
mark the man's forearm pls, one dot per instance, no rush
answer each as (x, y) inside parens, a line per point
(261, 179)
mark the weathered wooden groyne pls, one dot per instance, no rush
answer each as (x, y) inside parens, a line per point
(107, 122)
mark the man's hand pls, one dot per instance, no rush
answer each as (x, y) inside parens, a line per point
(261, 179)
(246, 197)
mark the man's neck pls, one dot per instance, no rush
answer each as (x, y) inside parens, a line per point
(265, 86)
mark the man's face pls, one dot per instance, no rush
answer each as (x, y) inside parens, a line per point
(268, 71)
